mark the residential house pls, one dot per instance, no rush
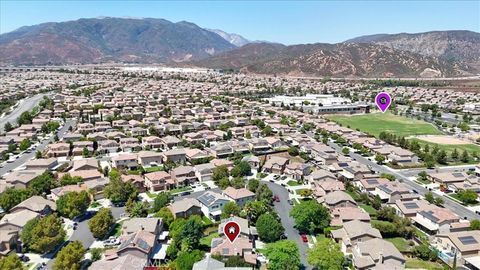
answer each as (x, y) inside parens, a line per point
(353, 232)
(240, 196)
(185, 208)
(212, 204)
(157, 181)
(377, 254)
(275, 164)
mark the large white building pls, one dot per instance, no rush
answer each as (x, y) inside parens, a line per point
(322, 104)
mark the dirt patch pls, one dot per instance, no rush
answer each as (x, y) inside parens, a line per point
(442, 139)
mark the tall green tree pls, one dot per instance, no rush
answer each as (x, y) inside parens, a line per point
(186, 259)
(101, 224)
(117, 190)
(73, 204)
(11, 262)
(42, 235)
(230, 209)
(310, 216)
(241, 169)
(283, 255)
(269, 228)
(161, 201)
(326, 254)
(70, 257)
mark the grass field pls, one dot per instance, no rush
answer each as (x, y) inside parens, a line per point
(375, 123)
(450, 147)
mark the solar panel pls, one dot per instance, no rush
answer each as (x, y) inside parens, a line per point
(458, 174)
(372, 181)
(411, 205)
(468, 240)
(429, 215)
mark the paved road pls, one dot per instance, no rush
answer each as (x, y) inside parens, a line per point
(283, 210)
(26, 104)
(27, 156)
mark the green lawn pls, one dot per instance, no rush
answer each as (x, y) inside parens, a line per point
(151, 195)
(420, 264)
(94, 204)
(293, 183)
(450, 147)
(375, 123)
(369, 209)
(455, 197)
(117, 229)
(153, 169)
(400, 243)
(181, 189)
(207, 240)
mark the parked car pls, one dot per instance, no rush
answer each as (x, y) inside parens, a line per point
(304, 238)
(276, 198)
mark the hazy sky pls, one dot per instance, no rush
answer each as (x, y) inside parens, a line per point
(288, 22)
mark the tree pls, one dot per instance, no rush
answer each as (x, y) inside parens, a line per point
(345, 151)
(220, 172)
(293, 151)
(185, 259)
(310, 216)
(283, 255)
(117, 190)
(253, 184)
(230, 209)
(424, 252)
(25, 118)
(13, 196)
(388, 176)
(70, 256)
(42, 235)
(191, 233)
(38, 155)
(380, 158)
(441, 157)
(11, 262)
(429, 197)
(8, 127)
(67, 179)
(254, 209)
(387, 213)
(85, 152)
(306, 192)
(73, 204)
(241, 169)
(269, 228)
(423, 176)
(467, 196)
(42, 183)
(24, 144)
(267, 131)
(475, 224)
(161, 201)
(465, 157)
(96, 254)
(326, 254)
(137, 209)
(264, 193)
(166, 215)
(454, 154)
(101, 224)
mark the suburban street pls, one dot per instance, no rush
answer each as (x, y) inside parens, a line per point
(27, 156)
(283, 210)
(26, 104)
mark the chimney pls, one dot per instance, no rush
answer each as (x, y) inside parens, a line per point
(380, 259)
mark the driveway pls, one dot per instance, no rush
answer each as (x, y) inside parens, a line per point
(283, 210)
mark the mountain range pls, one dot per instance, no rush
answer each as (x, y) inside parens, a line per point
(147, 40)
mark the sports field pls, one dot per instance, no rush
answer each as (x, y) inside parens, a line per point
(375, 123)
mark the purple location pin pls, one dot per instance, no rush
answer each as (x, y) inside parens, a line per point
(383, 101)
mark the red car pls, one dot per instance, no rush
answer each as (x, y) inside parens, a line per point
(304, 238)
(276, 198)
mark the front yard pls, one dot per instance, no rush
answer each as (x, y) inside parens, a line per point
(400, 243)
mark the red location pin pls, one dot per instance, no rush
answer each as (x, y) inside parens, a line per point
(231, 230)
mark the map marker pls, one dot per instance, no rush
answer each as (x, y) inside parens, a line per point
(231, 230)
(383, 101)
